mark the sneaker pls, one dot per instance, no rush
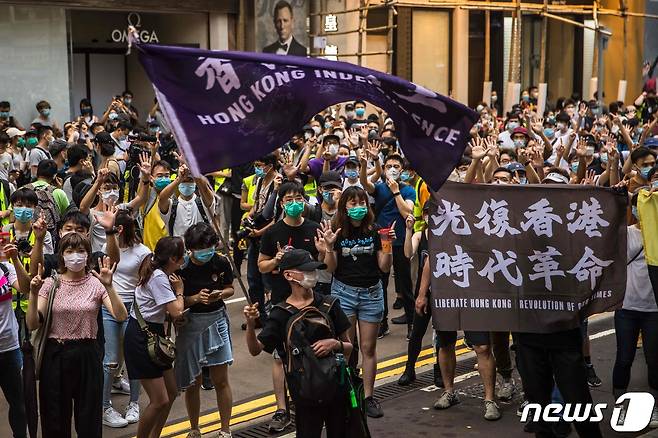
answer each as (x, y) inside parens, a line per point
(592, 379)
(407, 378)
(112, 418)
(194, 433)
(447, 399)
(402, 319)
(373, 408)
(121, 386)
(222, 434)
(506, 390)
(491, 411)
(653, 423)
(132, 413)
(383, 329)
(398, 304)
(280, 420)
(519, 411)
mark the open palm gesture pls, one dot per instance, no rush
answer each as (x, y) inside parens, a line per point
(328, 235)
(105, 272)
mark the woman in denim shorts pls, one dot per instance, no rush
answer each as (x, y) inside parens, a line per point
(354, 255)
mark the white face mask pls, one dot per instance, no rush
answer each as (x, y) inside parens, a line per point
(316, 129)
(110, 197)
(309, 281)
(76, 261)
(333, 149)
(339, 134)
(561, 126)
(392, 173)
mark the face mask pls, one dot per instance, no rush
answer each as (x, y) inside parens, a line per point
(351, 174)
(339, 134)
(85, 111)
(596, 111)
(45, 112)
(110, 197)
(574, 167)
(23, 214)
(614, 129)
(525, 98)
(4, 114)
(511, 126)
(259, 171)
(204, 255)
(360, 112)
(187, 189)
(494, 98)
(590, 150)
(604, 158)
(112, 116)
(328, 198)
(519, 144)
(154, 130)
(349, 114)
(327, 125)
(161, 182)
(645, 172)
(523, 180)
(405, 176)
(32, 142)
(75, 262)
(316, 129)
(186, 261)
(333, 149)
(309, 281)
(561, 126)
(127, 101)
(21, 142)
(549, 132)
(392, 173)
(372, 133)
(634, 212)
(479, 108)
(655, 184)
(294, 209)
(357, 213)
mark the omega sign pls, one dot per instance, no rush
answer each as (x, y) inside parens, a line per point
(145, 36)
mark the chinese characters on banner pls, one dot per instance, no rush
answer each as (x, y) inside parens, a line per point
(228, 108)
(525, 258)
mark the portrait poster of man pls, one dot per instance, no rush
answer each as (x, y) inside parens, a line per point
(281, 27)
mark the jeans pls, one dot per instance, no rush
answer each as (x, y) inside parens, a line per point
(628, 325)
(254, 277)
(113, 357)
(11, 382)
(365, 303)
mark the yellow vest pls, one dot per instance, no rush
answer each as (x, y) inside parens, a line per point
(154, 227)
(3, 204)
(419, 225)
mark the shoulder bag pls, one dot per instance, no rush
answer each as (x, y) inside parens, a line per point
(161, 349)
(40, 335)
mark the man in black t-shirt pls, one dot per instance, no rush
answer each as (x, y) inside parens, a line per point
(299, 270)
(293, 231)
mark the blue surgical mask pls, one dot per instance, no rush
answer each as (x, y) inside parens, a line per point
(4, 114)
(351, 173)
(404, 176)
(360, 112)
(161, 182)
(645, 172)
(186, 261)
(634, 212)
(523, 180)
(511, 126)
(655, 184)
(519, 144)
(113, 116)
(23, 214)
(45, 112)
(187, 189)
(549, 132)
(259, 171)
(574, 167)
(127, 101)
(204, 255)
(328, 198)
(604, 158)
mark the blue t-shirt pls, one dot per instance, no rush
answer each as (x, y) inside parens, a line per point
(387, 209)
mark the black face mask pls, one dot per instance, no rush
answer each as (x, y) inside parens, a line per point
(294, 146)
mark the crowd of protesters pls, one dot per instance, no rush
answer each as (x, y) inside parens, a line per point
(109, 240)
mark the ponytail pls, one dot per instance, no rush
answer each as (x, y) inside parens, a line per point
(166, 249)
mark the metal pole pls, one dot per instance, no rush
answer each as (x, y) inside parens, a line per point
(389, 41)
(599, 80)
(487, 45)
(542, 53)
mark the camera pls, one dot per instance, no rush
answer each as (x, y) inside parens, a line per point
(140, 136)
(23, 246)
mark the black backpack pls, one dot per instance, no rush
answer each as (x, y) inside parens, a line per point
(47, 205)
(313, 381)
(174, 212)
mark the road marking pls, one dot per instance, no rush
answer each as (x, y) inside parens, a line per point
(602, 334)
(235, 300)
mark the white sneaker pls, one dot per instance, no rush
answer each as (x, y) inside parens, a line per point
(506, 390)
(112, 418)
(132, 413)
(194, 433)
(121, 386)
(222, 434)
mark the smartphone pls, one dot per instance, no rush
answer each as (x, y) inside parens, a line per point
(215, 294)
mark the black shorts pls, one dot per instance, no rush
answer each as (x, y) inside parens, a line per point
(138, 362)
(448, 339)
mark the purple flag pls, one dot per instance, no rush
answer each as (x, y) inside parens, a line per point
(227, 108)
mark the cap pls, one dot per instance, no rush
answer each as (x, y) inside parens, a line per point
(520, 130)
(516, 167)
(330, 137)
(352, 160)
(349, 106)
(299, 259)
(331, 178)
(556, 178)
(651, 142)
(13, 132)
(57, 146)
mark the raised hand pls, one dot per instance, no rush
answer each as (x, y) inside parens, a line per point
(373, 148)
(409, 222)
(10, 251)
(106, 271)
(328, 234)
(581, 149)
(40, 226)
(176, 283)
(279, 253)
(251, 313)
(589, 178)
(37, 281)
(145, 165)
(106, 216)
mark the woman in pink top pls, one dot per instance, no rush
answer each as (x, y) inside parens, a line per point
(71, 377)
